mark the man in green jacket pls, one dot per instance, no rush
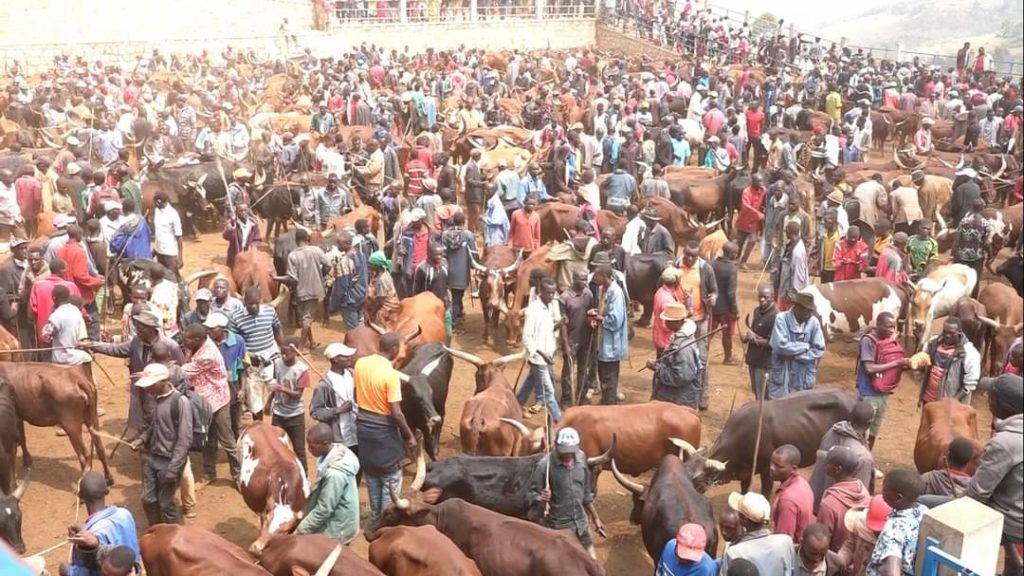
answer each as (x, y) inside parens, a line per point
(333, 505)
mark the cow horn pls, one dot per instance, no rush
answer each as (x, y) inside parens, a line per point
(282, 295)
(472, 359)
(714, 224)
(514, 266)
(403, 377)
(197, 275)
(960, 164)
(476, 265)
(523, 430)
(685, 448)
(510, 358)
(261, 177)
(606, 457)
(896, 159)
(633, 487)
(947, 164)
(416, 334)
(421, 473)
(1002, 167)
(22, 486)
(400, 503)
(716, 465)
(377, 328)
(994, 324)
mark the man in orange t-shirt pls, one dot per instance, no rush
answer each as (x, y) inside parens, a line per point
(384, 435)
(524, 233)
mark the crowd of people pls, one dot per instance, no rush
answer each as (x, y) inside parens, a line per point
(231, 356)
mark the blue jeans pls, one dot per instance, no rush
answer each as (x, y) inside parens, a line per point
(352, 316)
(377, 487)
(539, 381)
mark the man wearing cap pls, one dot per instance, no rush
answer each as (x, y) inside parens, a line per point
(167, 436)
(677, 369)
(654, 237)
(771, 553)
(684, 555)
(717, 156)
(333, 401)
(233, 351)
(110, 224)
(59, 237)
(138, 351)
(923, 137)
(201, 312)
(797, 346)
(562, 490)
(999, 480)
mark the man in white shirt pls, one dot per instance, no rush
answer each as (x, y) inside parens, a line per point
(10, 211)
(334, 399)
(167, 234)
(63, 329)
(542, 317)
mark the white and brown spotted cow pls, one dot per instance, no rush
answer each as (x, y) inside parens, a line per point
(851, 306)
(934, 297)
(272, 482)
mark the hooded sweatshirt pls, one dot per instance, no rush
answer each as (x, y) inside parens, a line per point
(999, 481)
(333, 505)
(842, 434)
(839, 498)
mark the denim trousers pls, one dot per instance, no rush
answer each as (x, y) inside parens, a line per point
(378, 488)
(539, 382)
(352, 316)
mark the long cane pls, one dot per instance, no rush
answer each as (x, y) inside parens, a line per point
(767, 261)
(760, 425)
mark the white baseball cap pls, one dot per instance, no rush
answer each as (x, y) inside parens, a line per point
(567, 441)
(152, 374)
(752, 505)
(216, 320)
(336, 349)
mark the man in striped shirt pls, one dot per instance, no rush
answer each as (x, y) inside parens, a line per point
(260, 327)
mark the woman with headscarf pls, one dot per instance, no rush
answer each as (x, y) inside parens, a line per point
(382, 298)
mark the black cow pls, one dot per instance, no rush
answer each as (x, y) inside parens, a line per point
(277, 206)
(424, 395)
(1013, 270)
(673, 498)
(643, 278)
(194, 190)
(497, 483)
(800, 419)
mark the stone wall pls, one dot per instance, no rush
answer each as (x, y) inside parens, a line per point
(608, 38)
(118, 31)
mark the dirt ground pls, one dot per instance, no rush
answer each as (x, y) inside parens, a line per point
(49, 505)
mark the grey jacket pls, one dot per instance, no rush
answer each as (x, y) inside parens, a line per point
(999, 481)
(162, 437)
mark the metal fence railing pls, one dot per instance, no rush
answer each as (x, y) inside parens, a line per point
(454, 11)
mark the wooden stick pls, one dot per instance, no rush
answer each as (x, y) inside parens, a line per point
(328, 563)
(694, 341)
(308, 362)
(103, 434)
(46, 551)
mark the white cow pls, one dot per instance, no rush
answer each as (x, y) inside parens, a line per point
(851, 306)
(935, 295)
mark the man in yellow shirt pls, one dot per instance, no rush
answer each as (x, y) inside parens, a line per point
(381, 428)
(834, 103)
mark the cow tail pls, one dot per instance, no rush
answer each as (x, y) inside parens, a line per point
(92, 417)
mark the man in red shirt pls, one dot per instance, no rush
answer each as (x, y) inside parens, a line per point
(793, 509)
(77, 271)
(40, 300)
(713, 119)
(524, 231)
(755, 123)
(29, 193)
(751, 216)
(851, 256)
(416, 170)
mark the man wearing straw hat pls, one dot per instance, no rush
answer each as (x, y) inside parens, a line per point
(677, 371)
(797, 346)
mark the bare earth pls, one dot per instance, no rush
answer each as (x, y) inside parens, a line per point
(49, 505)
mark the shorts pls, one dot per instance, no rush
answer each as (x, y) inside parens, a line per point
(881, 404)
(726, 321)
(306, 310)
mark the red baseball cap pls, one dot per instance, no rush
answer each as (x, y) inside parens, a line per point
(690, 542)
(878, 513)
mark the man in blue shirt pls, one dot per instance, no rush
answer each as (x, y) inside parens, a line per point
(106, 528)
(685, 556)
(614, 343)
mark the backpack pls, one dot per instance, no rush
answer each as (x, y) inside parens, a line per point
(886, 351)
(202, 416)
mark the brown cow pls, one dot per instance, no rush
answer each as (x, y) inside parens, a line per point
(363, 212)
(679, 222)
(285, 551)
(941, 421)
(420, 319)
(537, 260)
(1004, 314)
(419, 551)
(643, 433)
(173, 550)
(496, 275)
(256, 268)
(55, 395)
(272, 482)
(973, 320)
(9, 346)
(558, 218)
(701, 196)
(481, 432)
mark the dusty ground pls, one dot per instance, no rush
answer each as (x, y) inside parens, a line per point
(49, 505)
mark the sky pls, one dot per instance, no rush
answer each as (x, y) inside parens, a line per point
(804, 14)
